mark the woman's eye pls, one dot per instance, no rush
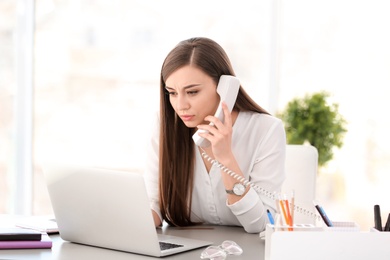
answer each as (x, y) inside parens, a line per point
(193, 92)
(172, 93)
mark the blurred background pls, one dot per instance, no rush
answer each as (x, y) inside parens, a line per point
(79, 82)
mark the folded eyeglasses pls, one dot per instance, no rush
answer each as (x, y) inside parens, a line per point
(222, 251)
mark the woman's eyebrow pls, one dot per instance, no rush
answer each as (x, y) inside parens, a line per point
(185, 87)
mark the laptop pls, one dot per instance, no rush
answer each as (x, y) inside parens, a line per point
(110, 209)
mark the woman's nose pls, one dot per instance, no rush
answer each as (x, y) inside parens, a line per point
(182, 103)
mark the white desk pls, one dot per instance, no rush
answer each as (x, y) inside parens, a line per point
(252, 245)
(295, 245)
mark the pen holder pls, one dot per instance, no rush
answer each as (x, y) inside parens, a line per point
(325, 245)
(343, 226)
(270, 229)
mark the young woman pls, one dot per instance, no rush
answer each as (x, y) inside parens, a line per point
(184, 187)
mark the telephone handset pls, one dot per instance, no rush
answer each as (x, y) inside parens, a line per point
(227, 89)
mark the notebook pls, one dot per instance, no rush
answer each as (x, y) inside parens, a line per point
(109, 209)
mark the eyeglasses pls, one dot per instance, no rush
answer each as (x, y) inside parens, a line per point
(221, 252)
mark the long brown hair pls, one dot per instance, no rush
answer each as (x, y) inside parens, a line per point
(177, 149)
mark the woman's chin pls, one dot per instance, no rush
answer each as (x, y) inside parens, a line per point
(190, 124)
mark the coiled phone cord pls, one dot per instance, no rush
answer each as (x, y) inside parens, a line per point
(258, 189)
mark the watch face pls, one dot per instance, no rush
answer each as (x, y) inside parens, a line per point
(239, 189)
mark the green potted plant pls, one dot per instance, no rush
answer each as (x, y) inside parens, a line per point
(314, 120)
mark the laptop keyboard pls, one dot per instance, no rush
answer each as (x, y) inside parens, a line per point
(166, 245)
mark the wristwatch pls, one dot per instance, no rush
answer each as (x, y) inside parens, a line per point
(238, 189)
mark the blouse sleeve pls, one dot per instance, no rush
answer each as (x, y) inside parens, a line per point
(268, 172)
(151, 173)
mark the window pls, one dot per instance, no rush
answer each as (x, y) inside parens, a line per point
(96, 74)
(97, 67)
(329, 46)
(7, 95)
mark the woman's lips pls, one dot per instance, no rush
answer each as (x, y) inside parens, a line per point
(186, 117)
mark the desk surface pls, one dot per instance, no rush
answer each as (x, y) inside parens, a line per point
(252, 245)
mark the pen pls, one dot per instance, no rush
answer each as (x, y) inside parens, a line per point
(377, 218)
(271, 219)
(324, 216)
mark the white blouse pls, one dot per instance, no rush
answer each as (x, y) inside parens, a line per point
(259, 144)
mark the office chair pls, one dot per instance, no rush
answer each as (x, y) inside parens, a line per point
(301, 176)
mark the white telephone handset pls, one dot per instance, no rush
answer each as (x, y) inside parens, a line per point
(227, 89)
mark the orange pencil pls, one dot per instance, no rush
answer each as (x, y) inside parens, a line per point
(289, 220)
(284, 215)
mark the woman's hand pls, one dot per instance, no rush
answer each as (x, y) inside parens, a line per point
(219, 134)
(220, 137)
(156, 218)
